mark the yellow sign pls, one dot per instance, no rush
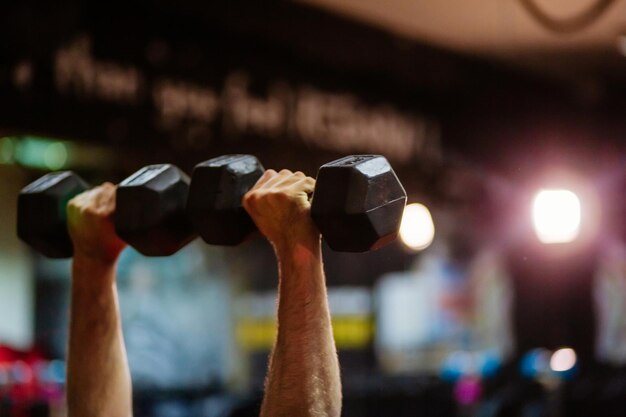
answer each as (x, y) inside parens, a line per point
(351, 332)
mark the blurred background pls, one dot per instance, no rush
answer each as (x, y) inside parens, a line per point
(504, 119)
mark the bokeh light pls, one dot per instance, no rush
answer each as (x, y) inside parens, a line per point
(55, 156)
(556, 216)
(417, 230)
(563, 360)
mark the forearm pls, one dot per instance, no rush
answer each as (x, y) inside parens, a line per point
(98, 381)
(303, 377)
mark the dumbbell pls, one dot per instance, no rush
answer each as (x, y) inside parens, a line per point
(149, 212)
(357, 203)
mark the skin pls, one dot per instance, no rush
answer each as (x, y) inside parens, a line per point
(98, 380)
(303, 377)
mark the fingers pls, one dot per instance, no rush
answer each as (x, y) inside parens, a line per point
(277, 188)
(267, 175)
(304, 184)
(272, 179)
(99, 200)
(105, 199)
(277, 179)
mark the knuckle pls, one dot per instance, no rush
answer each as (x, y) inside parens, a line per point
(105, 187)
(250, 198)
(278, 195)
(86, 210)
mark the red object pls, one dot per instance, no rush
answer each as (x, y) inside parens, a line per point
(20, 382)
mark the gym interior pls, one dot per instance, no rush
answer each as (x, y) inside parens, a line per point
(504, 293)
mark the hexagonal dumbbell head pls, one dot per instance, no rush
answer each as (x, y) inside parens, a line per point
(358, 203)
(41, 213)
(214, 206)
(150, 210)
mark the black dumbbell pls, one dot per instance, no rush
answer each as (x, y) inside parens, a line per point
(41, 215)
(357, 204)
(149, 212)
(214, 205)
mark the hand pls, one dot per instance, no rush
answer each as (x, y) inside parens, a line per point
(279, 205)
(90, 224)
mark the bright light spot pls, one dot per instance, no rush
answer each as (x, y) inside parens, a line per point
(563, 360)
(556, 216)
(417, 230)
(55, 156)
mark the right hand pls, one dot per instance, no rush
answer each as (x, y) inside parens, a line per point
(90, 224)
(280, 207)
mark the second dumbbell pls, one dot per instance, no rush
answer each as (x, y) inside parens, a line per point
(357, 204)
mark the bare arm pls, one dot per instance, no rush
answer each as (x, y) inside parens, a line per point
(98, 380)
(303, 378)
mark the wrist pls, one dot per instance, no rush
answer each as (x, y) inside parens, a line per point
(93, 261)
(104, 255)
(92, 272)
(299, 250)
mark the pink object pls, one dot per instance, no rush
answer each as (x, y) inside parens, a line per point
(468, 390)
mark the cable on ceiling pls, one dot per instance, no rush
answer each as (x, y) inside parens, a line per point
(568, 25)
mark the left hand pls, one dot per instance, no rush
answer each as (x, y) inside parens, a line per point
(90, 224)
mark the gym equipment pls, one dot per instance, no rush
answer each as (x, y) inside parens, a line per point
(214, 204)
(357, 204)
(41, 214)
(150, 210)
(149, 213)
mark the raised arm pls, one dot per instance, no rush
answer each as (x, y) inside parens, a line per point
(303, 377)
(98, 380)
